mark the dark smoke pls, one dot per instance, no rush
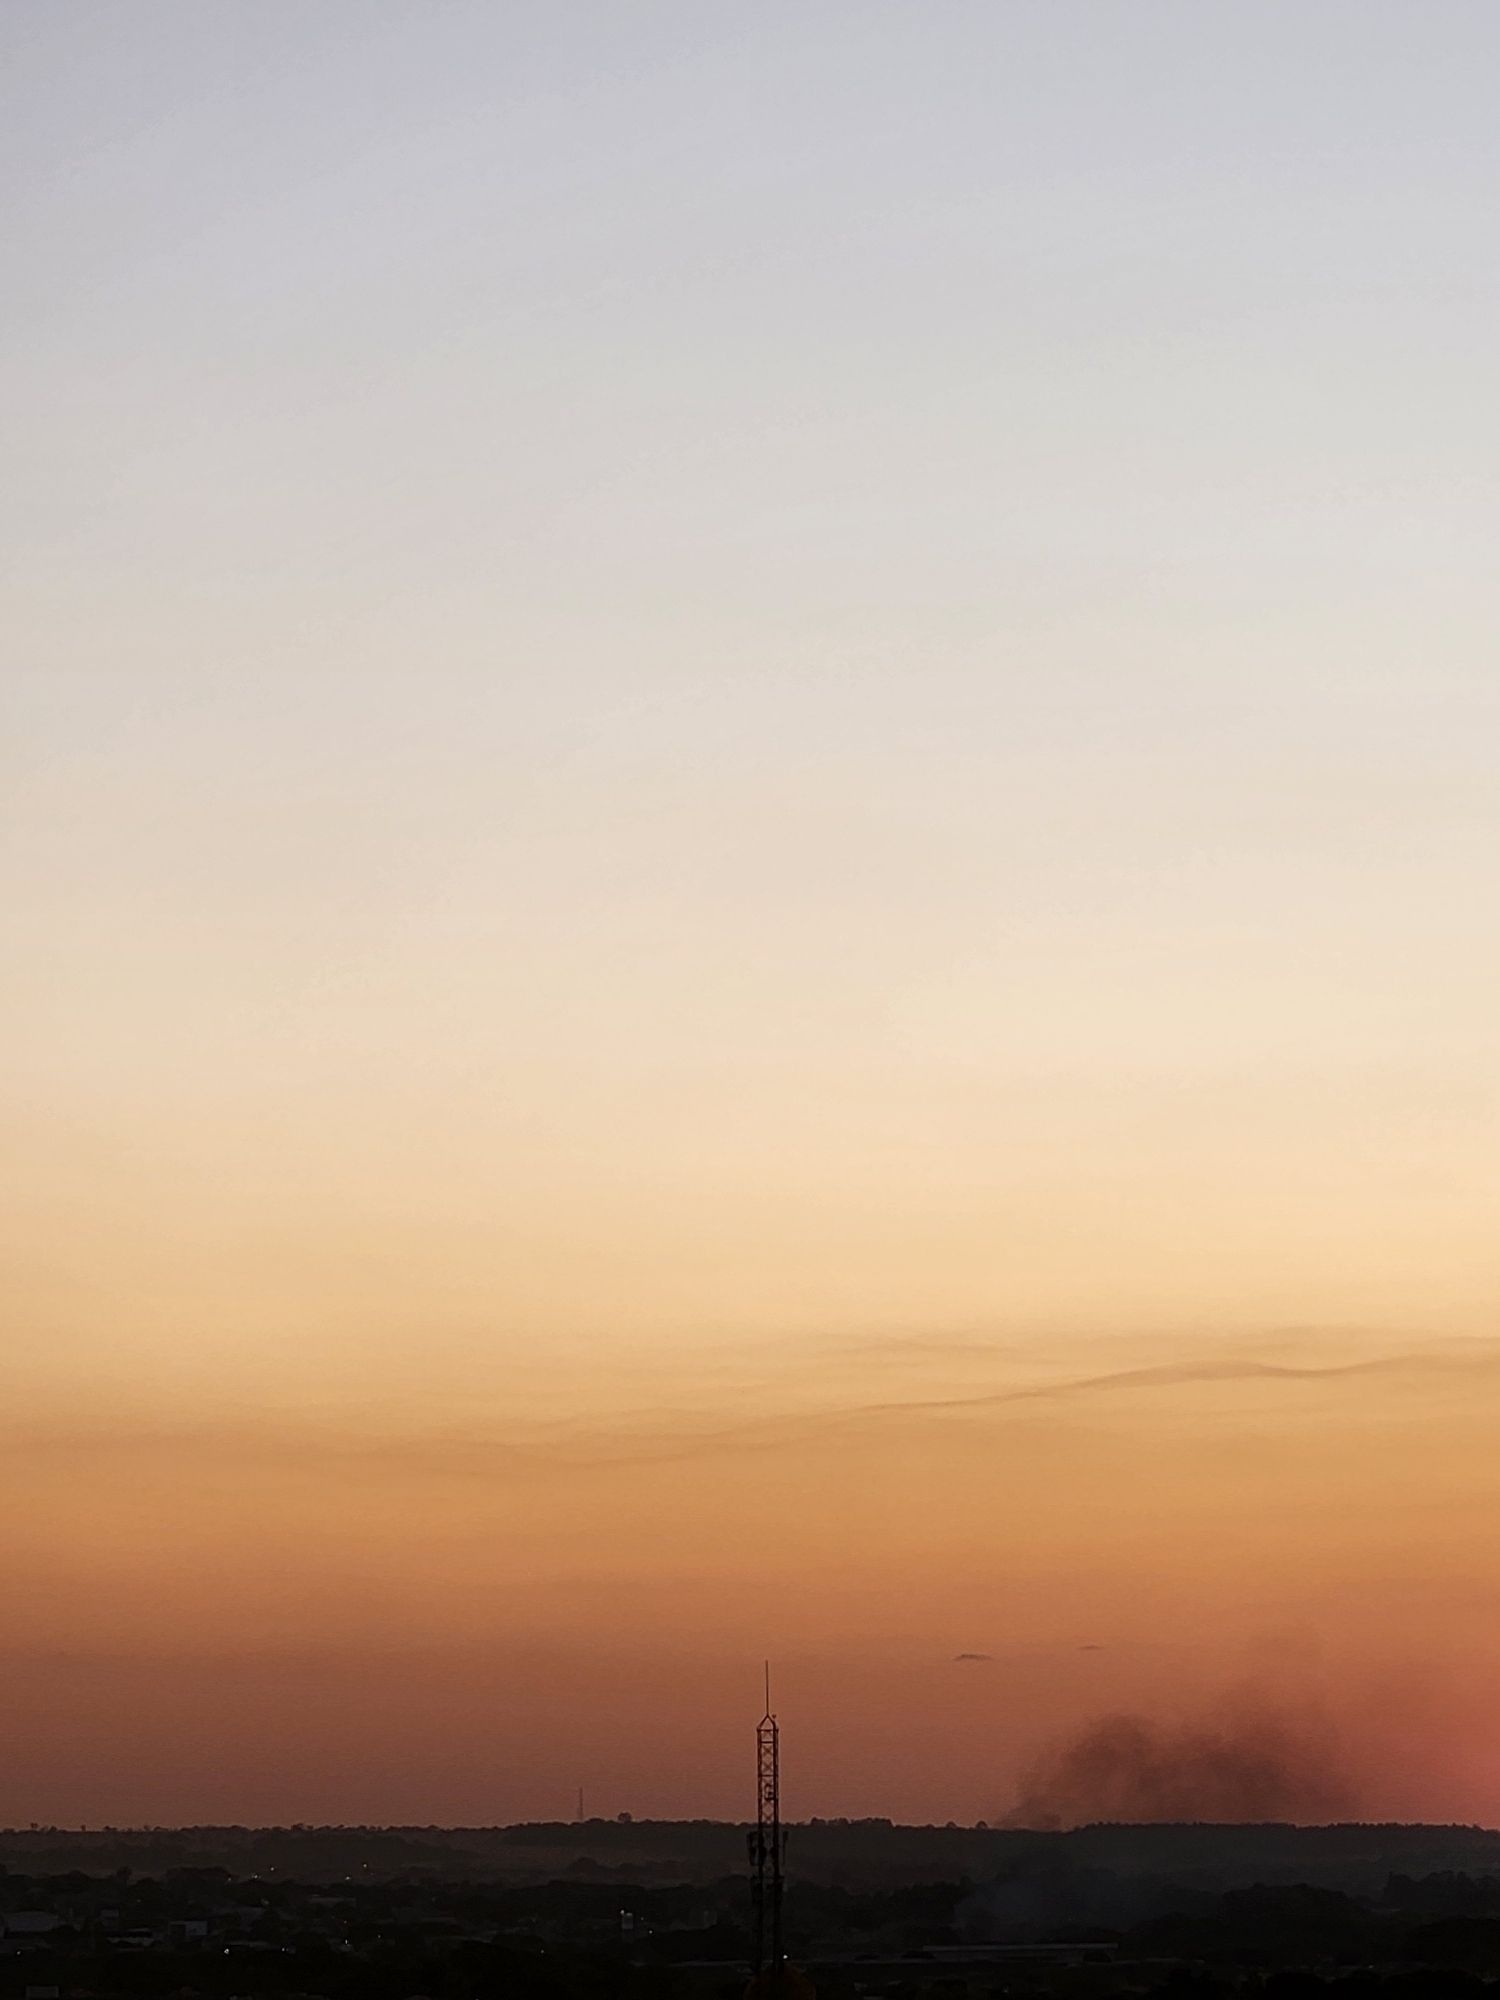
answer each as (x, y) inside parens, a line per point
(1248, 1767)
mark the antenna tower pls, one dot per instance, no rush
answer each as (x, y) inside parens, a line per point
(767, 1847)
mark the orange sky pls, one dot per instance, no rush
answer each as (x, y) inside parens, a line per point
(298, 1615)
(731, 739)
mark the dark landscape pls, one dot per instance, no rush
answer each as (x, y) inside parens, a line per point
(621, 1907)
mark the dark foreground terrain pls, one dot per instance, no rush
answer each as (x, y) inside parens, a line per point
(624, 1909)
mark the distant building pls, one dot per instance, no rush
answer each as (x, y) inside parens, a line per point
(29, 1923)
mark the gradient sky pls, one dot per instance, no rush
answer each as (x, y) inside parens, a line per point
(724, 722)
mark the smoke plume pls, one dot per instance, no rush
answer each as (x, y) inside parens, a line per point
(1249, 1766)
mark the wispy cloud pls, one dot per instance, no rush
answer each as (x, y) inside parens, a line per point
(1459, 1363)
(666, 1436)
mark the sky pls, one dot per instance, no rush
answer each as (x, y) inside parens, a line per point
(749, 821)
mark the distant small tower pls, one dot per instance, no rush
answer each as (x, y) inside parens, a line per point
(767, 1850)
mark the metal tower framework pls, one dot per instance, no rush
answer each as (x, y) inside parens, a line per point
(767, 1847)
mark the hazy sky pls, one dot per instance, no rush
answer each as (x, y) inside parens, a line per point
(718, 714)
